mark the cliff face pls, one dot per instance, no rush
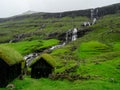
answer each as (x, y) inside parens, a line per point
(101, 11)
(111, 9)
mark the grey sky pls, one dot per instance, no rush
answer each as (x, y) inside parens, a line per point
(14, 7)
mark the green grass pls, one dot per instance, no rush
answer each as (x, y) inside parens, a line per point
(63, 67)
(92, 48)
(116, 46)
(103, 70)
(9, 55)
(26, 47)
(60, 51)
(47, 84)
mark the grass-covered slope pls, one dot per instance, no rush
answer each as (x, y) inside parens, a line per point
(26, 47)
(37, 28)
(96, 54)
(92, 48)
(106, 29)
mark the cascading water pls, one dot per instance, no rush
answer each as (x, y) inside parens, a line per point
(94, 15)
(71, 35)
(74, 34)
(30, 57)
(94, 21)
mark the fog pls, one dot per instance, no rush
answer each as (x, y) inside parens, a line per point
(14, 7)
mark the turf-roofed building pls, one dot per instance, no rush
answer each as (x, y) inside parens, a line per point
(42, 66)
(10, 65)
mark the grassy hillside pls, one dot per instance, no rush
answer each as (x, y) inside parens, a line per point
(98, 52)
(96, 55)
(26, 47)
(37, 28)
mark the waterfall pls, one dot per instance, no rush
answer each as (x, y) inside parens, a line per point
(74, 34)
(94, 21)
(94, 15)
(71, 35)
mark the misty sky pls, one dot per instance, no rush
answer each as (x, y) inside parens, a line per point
(14, 7)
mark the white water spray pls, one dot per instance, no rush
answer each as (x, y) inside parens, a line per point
(74, 34)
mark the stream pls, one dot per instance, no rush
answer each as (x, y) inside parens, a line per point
(71, 35)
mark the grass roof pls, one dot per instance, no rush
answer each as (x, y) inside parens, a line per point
(9, 55)
(48, 58)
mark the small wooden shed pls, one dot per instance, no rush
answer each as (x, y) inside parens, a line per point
(10, 65)
(42, 66)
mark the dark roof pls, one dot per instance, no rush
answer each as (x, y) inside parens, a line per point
(48, 58)
(9, 55)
